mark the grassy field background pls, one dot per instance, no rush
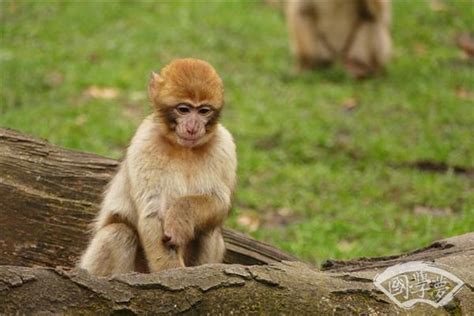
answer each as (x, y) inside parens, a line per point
(326, 164)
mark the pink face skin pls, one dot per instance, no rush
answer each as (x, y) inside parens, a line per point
(191, 123)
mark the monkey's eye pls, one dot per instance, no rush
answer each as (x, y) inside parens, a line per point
(204, 110)
(183, 109)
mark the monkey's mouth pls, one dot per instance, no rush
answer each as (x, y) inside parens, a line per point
(189, 138)
(188, 141)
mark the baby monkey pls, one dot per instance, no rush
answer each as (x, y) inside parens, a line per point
(167, 203)
(353, 31)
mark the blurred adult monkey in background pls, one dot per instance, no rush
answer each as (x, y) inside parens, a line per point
(166, 205)
(354, 31)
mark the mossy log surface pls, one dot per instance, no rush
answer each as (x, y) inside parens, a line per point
(49, 195)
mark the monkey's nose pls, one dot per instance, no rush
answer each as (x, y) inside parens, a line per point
(165, 238)
(191, 130)
(168, 241)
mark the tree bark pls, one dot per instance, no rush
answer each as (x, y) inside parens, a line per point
(49, 195)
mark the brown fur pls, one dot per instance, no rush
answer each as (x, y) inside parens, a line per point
(167, 203)
(355, 32)
(188, 79)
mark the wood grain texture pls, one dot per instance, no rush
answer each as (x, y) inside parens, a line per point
(283, 288)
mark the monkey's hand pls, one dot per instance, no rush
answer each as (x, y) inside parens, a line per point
(178, 228)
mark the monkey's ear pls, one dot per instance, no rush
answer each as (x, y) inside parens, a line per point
(155, 76)
(155, 79)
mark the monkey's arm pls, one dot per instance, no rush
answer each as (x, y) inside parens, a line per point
(158, 255)
(206, 211)
(193, 214)
(113, 247)
(117, 204)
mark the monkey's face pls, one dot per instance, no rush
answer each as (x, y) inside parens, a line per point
(192, 124)
(188, 95)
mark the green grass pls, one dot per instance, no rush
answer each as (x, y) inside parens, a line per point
(338, 176)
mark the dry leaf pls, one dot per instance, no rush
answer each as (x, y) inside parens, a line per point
(13, 7)
(53, 79)
(275, 4)
(464, 94)
(132, 111)
(345, 245)
(249, 219)
(282, 217)
(466, 43)
(437, 6)
(437, 212)
(420, 49)
(94, 57)
(80, 120)
(350, 104)
(269, 142)
(105, 93)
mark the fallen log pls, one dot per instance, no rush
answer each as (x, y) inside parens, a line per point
(48, 196)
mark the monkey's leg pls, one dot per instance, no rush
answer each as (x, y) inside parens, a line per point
(159, 256)
(307, 47)
(207, 248)
(370, 50)
(111, 251)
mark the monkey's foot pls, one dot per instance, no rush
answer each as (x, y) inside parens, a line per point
(307, 63)
(358, 69)
(169, 260)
